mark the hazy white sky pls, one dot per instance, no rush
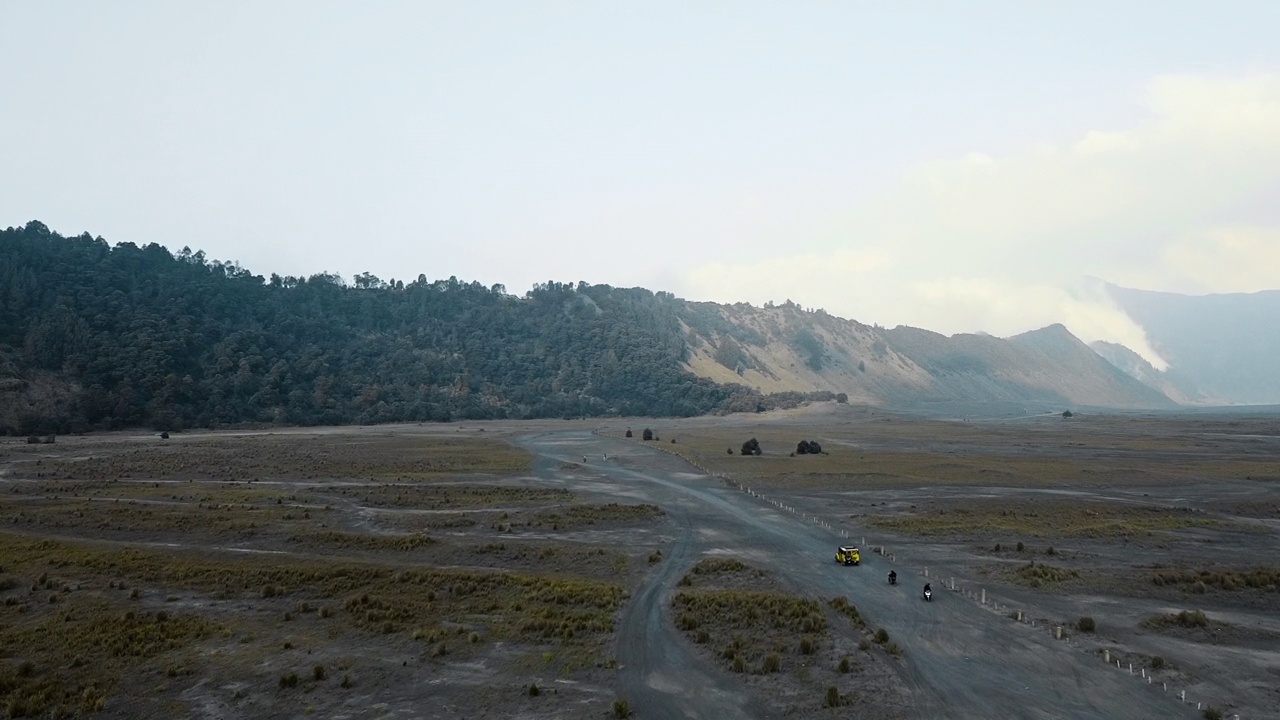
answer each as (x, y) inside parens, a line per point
(900, 162)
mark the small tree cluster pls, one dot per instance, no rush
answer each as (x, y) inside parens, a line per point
(808, 447)
(751, 447)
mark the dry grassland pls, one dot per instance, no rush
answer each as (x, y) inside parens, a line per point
(891, 454)
(253, 571)
(1010, 518)
(752, 626)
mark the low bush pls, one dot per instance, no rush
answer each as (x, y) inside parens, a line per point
(1186, 619)
(832, 698)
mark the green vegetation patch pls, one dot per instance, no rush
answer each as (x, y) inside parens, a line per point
(1266, 579)
(844, 607)
(579, 515)
(269, 457)
(1043, 519)
(768, 629)
(71, 654)
(1036, 575)
(377, 597)
(84, 515)
(452, 496)
(1185, 619)
(748, 610)
(361, 541)
(708, 566)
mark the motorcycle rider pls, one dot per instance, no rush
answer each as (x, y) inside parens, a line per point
(893, 577)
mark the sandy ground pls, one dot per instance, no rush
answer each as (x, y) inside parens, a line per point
(966, 654)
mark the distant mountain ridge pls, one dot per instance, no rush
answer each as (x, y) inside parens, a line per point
(1168, 382)
(97, 336)
(1225, 346)
(785, 348)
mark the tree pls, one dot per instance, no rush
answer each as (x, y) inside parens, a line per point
(808, 447)
(751, 447)
(842, 398)
(647, 434)
(628, 432)
(1067, 414)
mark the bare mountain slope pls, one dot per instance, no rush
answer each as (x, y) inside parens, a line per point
(786, 348)
(1227, 345)
(1169, 382)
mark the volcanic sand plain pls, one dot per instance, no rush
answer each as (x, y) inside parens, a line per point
(487, 570)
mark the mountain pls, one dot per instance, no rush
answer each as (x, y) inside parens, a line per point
(1227, 345)
(785, 348)
(1168, 382)
(96, 336)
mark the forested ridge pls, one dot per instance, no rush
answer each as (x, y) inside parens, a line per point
(94, 336)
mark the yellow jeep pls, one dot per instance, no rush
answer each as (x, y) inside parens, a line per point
(848, 555)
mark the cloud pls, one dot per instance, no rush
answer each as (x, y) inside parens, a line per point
(1001, 244)
(1232, 259)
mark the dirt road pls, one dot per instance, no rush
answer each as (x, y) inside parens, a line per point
(961, 660)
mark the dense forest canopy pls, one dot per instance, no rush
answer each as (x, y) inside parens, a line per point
(95, 336)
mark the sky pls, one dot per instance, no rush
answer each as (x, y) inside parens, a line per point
(961, 167)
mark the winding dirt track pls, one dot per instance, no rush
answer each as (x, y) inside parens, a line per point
(961, 660)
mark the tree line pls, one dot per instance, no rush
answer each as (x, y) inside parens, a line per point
(94, 336)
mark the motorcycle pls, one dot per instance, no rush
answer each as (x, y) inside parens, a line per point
(893, 578)
(928, 593)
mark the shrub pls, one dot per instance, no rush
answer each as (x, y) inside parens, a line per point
(882, 636)
(346, 681)
(772, 663)
(647, 434)
(289, 680)
(807, 645)
(833, 696)
(1021, 547)
(843, 667)
(628, 435)
(533, 687)
(621, 708)
(1212, 713)
(318, 673)
(1086, 624)
(1157, 663)
(751, 447)
(739, 665)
